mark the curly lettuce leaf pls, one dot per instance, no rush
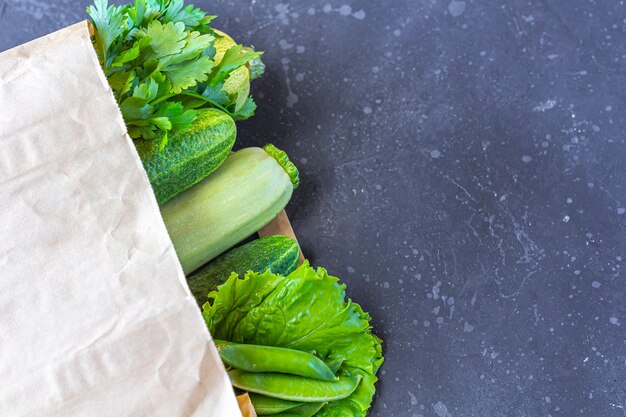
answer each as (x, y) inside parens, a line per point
(306, 310)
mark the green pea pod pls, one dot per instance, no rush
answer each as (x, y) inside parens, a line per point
(220, 344)
(305, 410)
(255, 358)
(264, 405)
(293, 388)
(334, 365)
(223, 343)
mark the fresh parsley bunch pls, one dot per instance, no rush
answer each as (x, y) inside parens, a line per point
(159, 57)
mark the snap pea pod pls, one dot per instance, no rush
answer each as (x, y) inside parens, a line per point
(256, 358)
(334, 365)
(264, 405)
(305, 410)
(292, 388)
(220, 344)
(223, 343)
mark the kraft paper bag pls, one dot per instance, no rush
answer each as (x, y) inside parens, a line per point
(96, 319)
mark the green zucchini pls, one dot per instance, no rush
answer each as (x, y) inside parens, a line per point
(189, 154)
(280, 254)
(239, 198)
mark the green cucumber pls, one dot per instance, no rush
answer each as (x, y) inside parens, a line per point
(280, 254)
(189, 154)
(239, 198)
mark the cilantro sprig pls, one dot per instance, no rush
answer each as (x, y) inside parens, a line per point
(159, 57)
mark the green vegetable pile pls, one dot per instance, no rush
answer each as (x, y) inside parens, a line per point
(287, 334)
(163, 61)
(301, 313)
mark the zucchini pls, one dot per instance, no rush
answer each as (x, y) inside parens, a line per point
(189, 154)
(240, 197)
(280, 254)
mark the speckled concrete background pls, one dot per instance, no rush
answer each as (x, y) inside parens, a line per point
(464, 171)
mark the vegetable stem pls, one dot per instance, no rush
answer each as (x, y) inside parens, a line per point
(194, 95)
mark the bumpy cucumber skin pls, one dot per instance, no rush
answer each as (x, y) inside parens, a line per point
(190, 154)
(239, 198)
(280, 254)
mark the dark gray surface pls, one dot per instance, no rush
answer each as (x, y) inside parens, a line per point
(464, 171)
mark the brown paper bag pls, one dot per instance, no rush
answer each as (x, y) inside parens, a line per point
(96, 319)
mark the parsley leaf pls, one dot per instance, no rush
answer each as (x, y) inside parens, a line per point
(188, 15)
(195, 45)
(130, 54)
(121, 81)
(246, 111)
(108, 22)
(233, 59)
(216, 94)
(187, 74)
(255, 65)
(167, 39)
